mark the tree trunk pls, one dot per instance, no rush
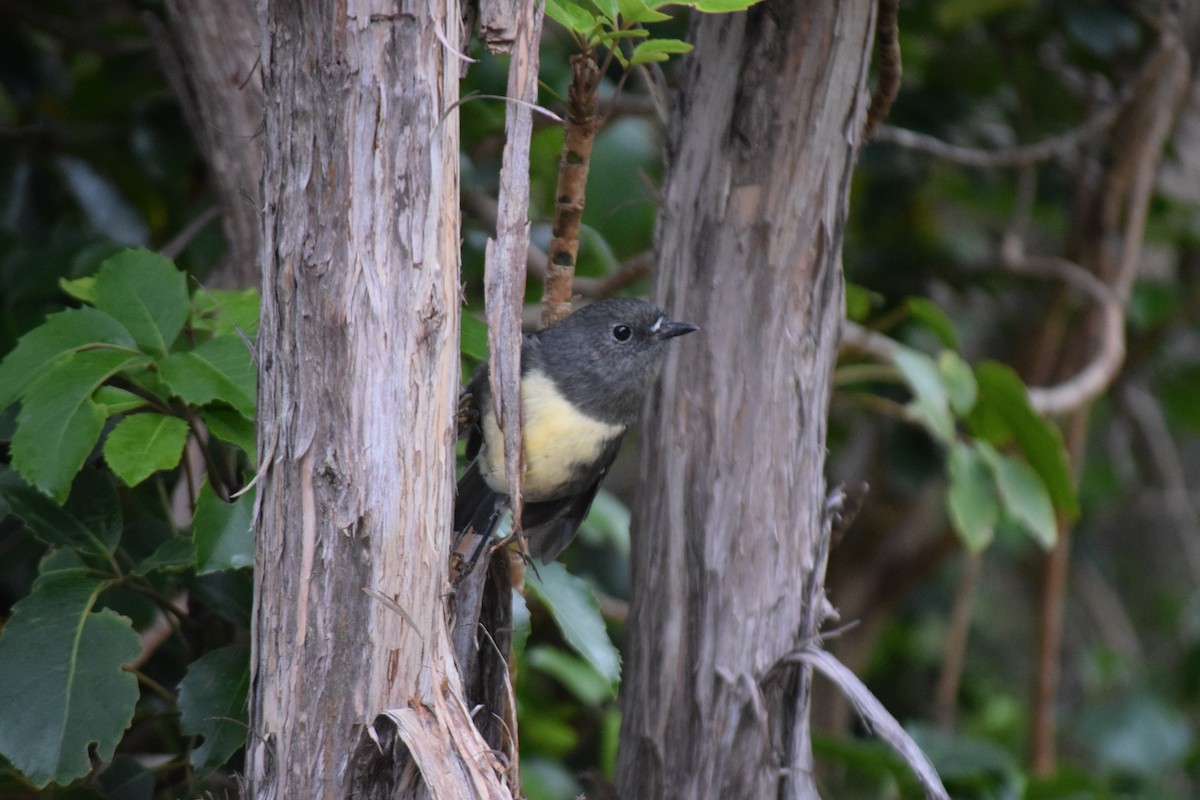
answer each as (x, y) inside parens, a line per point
(359, 377)
(210, 55)
(762, 144)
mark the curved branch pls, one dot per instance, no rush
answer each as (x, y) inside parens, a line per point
(1053, 147)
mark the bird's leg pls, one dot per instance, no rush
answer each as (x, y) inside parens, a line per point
(469, 566)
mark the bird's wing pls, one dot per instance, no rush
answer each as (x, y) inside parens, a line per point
(551, 525)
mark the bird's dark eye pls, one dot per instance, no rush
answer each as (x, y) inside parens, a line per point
(622, 333)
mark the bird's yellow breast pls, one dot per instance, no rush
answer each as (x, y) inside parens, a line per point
(559, 439)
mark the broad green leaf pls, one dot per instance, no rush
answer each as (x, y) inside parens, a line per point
(607, 523)
(147, 294)
(174, 554)
(60, 558)
(95, 503)
(653, 50)
(931, 403)
(230, 425)
(81, 288)
(570, 16)
(608, 8)
(143, 444)
(959, 381)
(473, 337)
(62, 333)
(59, 421)
(929, 314)
(971, 499)
(1003, 407)
(212, 703)
(222, 532)
(219, 369)
(115, 400)
(574, 608)
(225, 311)
(638, 11)
(61, 683)
(51, 523)
(580, 677)
(1022, 495)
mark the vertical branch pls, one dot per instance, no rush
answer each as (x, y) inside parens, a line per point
(483, 621)
(581, 127)
(954, 655)
(887, 42)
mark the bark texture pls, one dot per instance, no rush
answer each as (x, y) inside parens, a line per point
(359, 376)
(210, 51)
(762, 143)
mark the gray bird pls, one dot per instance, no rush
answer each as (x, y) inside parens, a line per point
(583, 381)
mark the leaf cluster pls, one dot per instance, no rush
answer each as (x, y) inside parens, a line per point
(111, 394)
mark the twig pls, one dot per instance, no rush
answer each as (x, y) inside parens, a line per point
(1053, 147)
(887, 41)
(873, 714)
(582, 123)
(954, 653)
(1145, 412)
(181, 240)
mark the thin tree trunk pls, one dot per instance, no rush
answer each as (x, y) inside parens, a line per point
(762, 144)
(359, 377)
(210, 53)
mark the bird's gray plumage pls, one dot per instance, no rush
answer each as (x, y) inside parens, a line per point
(601, 360)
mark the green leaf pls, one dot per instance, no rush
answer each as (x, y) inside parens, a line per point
(59, 421)
(212, 703)
(929, 314)
(860, 301)
(230, 425)
(51, 523)
(653, 50)
(143, 444)
(1022, 494)
(574, 608)
(114, 400)
(219, 369)
(39, 350)
(473, 337)
(570, 16)
(1002, 411)
(971, 500)
(721, 6)
(225, 312)
(81, 288)
(638, 12)
(61, 683)
(580, 677)
(147, 294)
(222, 532)
(176, 553)
(931, 403)
(959, 381)
(608, 8)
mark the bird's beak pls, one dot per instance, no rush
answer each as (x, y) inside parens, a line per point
(669, 330)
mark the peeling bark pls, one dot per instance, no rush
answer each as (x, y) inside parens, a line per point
(359, 376)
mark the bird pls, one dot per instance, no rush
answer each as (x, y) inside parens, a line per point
(583, 380)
